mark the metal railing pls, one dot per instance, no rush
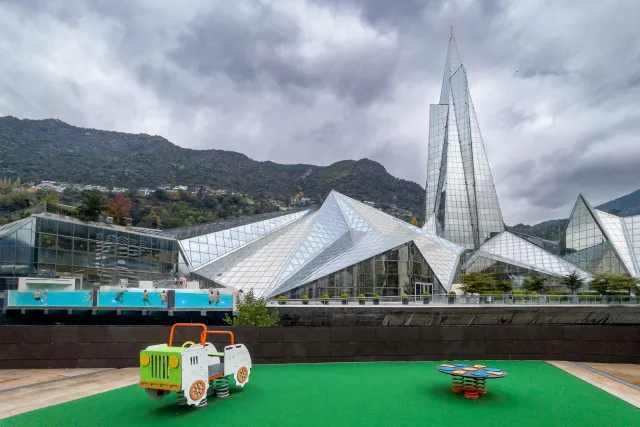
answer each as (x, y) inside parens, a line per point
(504, 299)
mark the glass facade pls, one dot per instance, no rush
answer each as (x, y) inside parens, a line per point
(200, 250)
(461, 201)
(49, 246)
(521, 255)
(599, 242)
(347, 243)
(402, 269)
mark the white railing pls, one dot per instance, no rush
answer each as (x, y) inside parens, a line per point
(503, 299)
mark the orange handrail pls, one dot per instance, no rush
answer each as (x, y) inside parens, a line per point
(198, 325)
(204, 334)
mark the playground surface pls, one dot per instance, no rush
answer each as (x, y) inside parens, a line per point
(372, 394)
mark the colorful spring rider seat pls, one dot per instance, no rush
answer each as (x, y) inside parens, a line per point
(470, 379)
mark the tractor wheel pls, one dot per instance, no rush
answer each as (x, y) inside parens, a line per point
(242, 376)
(197, 390)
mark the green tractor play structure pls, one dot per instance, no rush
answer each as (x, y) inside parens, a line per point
(194, 371)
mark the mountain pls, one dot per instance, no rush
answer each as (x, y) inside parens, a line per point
(549, 230)
(50, 149)
(623, 206)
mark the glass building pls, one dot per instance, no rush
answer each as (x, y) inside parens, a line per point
(49, 245)
(345, 246)
(461, 201)
(600, 242)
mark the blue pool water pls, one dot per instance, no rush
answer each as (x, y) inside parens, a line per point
(201, 300)
(108, 299)
(129, 299)
(64, 299)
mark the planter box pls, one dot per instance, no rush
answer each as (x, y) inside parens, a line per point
(376, 302)
(405, 301)
(345, 302)
(426, 300)
(452, 300)
(361, 302)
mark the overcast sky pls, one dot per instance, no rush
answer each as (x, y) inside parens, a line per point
(556, 87)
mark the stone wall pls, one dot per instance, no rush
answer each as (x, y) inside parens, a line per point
(119, 346)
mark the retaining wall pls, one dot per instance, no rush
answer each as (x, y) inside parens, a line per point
(24, 347)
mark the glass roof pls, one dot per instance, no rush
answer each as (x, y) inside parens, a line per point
(304, 248)
(632, 226)
(511, 249)
(614, 228)
(200, 250)
(13, 226)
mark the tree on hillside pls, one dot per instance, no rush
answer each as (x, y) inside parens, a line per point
(533, 282)
(120, 207)
(573, 282)
(49, 199)
(414, 221)
(92, 206)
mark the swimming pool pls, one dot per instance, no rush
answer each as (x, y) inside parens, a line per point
(61, 298)
(129, 299)
(201, 300)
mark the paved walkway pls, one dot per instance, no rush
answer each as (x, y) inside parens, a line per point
(606, 382)
(30, 389)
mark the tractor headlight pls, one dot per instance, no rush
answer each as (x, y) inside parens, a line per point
(173, 362)
(144, 360)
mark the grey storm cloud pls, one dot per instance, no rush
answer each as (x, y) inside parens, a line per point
(555, 87)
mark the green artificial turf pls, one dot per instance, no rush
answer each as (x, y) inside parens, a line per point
(359, 394)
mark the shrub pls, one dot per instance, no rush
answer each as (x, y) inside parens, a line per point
(325, 296)
(374, 295)
(361, 296)
(404, 295)
(426, 294)
(282, 300)
(305, 299)
(253, 311)
(452, 293)
(344, 296)
(559, 293)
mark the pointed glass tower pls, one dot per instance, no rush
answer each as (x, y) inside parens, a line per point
(461, 201)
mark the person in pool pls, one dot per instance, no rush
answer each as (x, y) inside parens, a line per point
(163, 298)
(145, 298)
(120, 295)
(36, 296)
(211, 296)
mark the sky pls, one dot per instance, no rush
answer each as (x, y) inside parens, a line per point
(556, 87)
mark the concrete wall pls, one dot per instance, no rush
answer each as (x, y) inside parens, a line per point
(119, 346)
